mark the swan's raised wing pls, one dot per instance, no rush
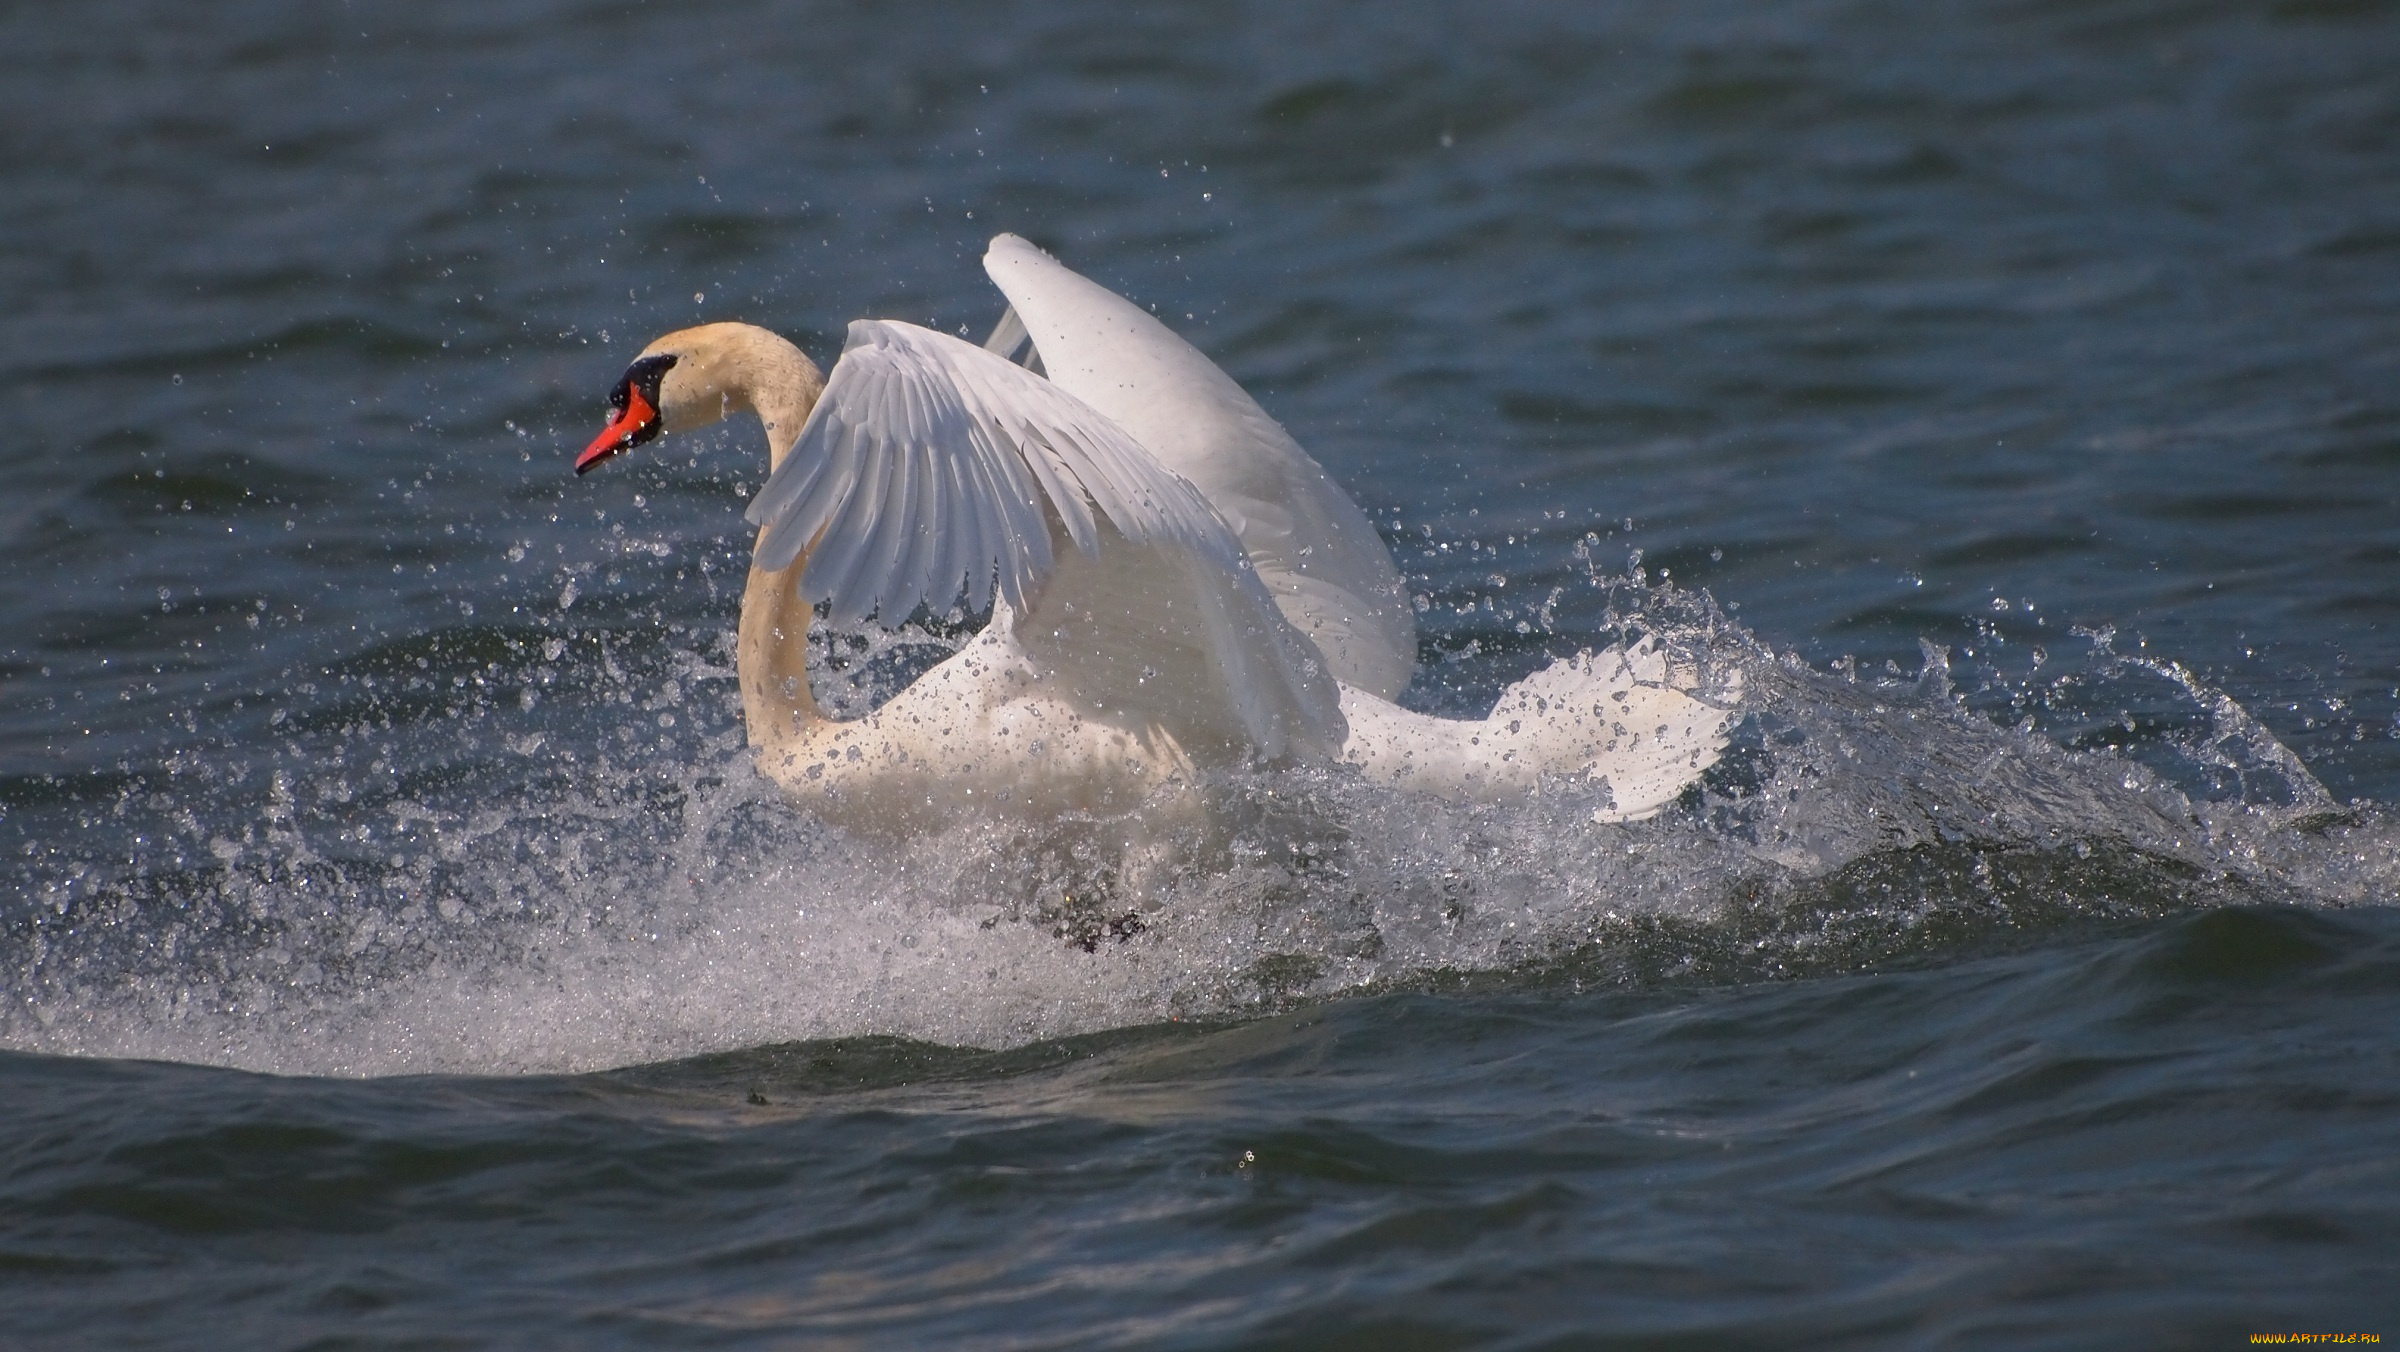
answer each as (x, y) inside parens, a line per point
(1314, 549)
(925, 466)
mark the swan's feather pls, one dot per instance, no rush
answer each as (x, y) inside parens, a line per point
(1630, 719)
(1008, 336)
(927, 466)
(1316, 552)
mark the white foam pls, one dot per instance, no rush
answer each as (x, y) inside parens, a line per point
(598, 929)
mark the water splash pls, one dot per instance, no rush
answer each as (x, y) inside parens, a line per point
(412, 885)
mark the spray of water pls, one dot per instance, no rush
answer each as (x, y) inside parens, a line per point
(420, 879)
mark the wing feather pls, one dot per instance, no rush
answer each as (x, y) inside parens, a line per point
(914, 567)
(929, 463)
(1058, 484)
(1321, 558)
(977, 534)
(839, 555)
(998, 551)
(887, 538)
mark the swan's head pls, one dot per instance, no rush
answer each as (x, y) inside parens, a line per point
(693, 377)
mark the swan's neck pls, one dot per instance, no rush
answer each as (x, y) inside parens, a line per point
(754, 368)
(784, 408)
(771, 657)
(771, 652)
(742, 366)
(720, 370)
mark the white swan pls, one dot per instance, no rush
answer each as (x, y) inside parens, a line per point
(1175, 585)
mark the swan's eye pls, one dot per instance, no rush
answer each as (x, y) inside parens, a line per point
(644, 376)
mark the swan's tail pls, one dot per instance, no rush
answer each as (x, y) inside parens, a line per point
(1627, 717)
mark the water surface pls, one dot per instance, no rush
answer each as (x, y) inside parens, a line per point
(396, 946)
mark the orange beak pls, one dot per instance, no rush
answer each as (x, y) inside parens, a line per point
(620, 435)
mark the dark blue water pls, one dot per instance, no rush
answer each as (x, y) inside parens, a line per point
(396, 949)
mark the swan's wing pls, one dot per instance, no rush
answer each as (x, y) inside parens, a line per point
(925, 467)
(1008, 336)
(1326, 567)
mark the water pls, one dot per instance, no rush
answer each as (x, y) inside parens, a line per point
(397, 950)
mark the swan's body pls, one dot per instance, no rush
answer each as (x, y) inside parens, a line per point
(1176, 586)
(1107, 688)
